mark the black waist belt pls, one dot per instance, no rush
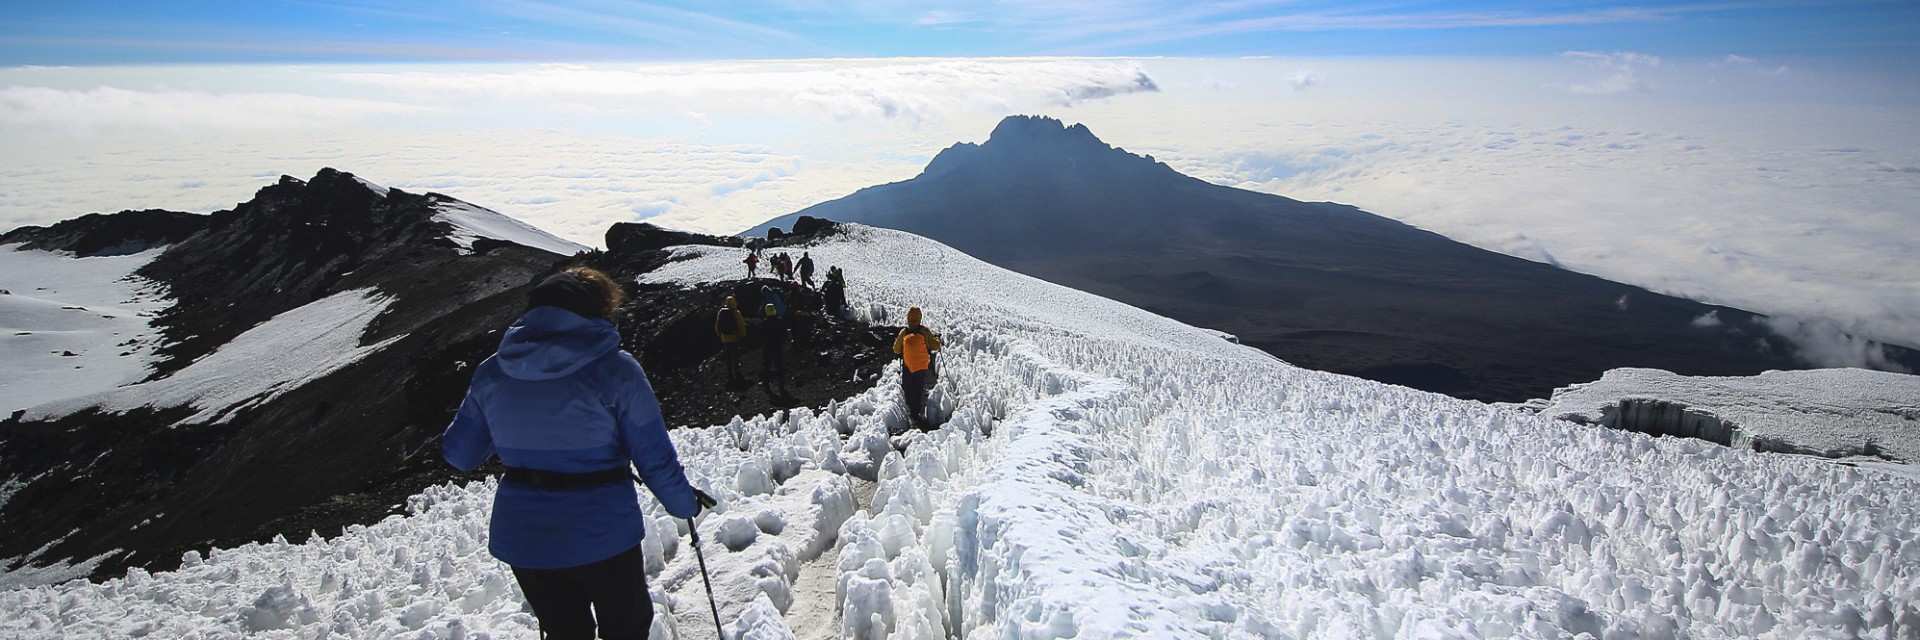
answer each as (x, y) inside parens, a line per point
(555, 480)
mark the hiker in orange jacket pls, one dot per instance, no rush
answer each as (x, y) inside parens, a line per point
(916, 345)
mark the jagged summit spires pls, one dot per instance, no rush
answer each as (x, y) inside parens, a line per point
(1020, 128)
(1027, 144)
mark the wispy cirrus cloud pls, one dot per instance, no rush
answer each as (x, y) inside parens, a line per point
(603, 30)
(1134, 24)
(1750, 65)
(898, 90)
(661, 28)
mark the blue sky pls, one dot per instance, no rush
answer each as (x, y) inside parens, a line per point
(224, 31)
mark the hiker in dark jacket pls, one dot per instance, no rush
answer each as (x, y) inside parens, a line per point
(731, 326)
(835, 291)
(571, 416)
(772, 298)
(915, 345)
(773, 346)
(753, 262)
(806, 269)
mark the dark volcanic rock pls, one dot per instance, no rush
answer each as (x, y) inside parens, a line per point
(809, 226)
(1320, 285)
(670, 329)
(149, 488)
(110, 234)
(637, 237)
(294, 243)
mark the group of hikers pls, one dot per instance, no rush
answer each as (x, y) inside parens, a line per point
(783, 266)
(773, 317)
(573, 416)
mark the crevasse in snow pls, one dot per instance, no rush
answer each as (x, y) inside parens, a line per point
(1103, 472)
(1836, 413)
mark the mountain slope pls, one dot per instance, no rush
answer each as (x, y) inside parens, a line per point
(286, 367)
(299, 350)
(1321, 285)
(1106, 472)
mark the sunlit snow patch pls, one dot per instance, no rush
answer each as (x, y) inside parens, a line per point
(72, 326)
(277, 356)
(382, 191)
(471, 223)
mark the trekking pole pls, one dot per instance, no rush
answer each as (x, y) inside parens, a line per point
(697, 553)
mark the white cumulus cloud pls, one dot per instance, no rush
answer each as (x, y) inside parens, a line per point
(1619, 71)
(1824, 343)
(1301, 80)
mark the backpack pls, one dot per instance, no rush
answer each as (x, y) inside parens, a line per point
(726, 322)
(915, 352)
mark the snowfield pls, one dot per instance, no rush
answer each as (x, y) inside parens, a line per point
(72, 326)
(276, 356)
(1103, 472)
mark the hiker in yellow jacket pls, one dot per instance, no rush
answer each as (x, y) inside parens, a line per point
(916, 345)
(731, 326)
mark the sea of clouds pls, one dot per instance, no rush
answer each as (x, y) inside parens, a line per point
(1784, 189)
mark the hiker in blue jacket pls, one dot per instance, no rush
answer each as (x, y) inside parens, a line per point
(567, 411)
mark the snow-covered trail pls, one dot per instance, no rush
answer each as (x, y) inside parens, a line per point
(1146, 479)
(1103, 472)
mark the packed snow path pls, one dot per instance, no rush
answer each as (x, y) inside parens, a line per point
(1103, 472)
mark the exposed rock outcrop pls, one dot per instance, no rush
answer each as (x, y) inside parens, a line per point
(110, 234)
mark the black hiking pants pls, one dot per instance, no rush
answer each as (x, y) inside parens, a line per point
(731, 351)
(913, 385)
(611, 593)
(773, 363)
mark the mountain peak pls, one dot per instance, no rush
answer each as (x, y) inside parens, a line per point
(1016, 129)
(1044, 144)
(1031, 133)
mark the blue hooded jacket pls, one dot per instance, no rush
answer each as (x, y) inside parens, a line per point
(561, 396)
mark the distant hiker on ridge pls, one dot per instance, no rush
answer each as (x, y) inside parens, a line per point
(806, 269)
(915, 345)
(571, 415)
(835, 291)
(731, 326)
(752, 262)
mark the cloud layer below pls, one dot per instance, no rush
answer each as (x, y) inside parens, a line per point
(1727, 179)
